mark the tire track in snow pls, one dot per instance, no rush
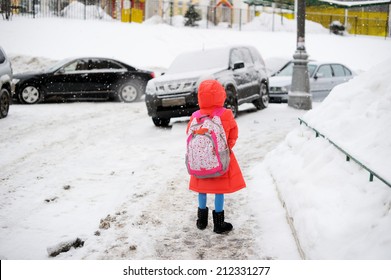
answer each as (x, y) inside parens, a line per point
(69, 128)
(57, 143)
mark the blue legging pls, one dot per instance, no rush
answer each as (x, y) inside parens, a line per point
(219, 201)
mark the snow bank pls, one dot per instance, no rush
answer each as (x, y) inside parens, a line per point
(337, 212)
(357, 117)
(21, 63)
(78, 10)
(275, 22)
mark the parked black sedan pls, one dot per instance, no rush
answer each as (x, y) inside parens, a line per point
(88, 78)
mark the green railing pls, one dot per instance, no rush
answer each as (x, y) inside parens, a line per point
(348, 156)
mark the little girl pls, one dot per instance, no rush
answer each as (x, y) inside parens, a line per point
(212, 95)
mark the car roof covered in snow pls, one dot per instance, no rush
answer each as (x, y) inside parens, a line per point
(203, 59)
(200, 60)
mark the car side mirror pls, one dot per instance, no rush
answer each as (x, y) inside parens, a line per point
(238, 65)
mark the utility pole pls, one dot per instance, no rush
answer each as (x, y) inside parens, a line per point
(299, 95)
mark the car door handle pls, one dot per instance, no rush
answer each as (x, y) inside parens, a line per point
(84, 75)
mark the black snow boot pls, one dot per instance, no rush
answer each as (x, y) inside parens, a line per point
(219, 225)
(202, 221)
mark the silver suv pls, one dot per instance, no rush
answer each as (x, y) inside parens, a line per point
(240, 69)
(5, 84)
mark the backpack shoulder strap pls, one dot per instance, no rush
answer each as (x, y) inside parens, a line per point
(197, 114)
(218, 111)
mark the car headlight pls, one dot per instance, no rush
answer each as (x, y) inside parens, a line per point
(275, 89)
(15, 81)
(150, 89)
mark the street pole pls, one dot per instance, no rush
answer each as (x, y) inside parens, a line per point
(299, 96)
(171, 11)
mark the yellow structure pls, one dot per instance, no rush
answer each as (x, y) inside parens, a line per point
(137, 15)
(125, 11)
(358, 21)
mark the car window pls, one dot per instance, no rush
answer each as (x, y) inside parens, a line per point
(247, 56)
(287, 70)
(325, 71)
(256, 57)
(58, 65)
(95, 64)
(236, 56)
(338, 70)
(347, 71)
(112, 65)
(102, 64)
(77, 65)
(311, 69)
(91, 65)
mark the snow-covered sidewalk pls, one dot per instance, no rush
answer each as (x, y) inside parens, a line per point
(102, 172)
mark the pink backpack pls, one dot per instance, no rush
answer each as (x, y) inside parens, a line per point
(207, 154)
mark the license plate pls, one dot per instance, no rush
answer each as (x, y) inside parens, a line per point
(173, 101)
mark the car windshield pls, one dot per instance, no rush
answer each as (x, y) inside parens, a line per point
(58, 64)
(288, 70)
(203, 60)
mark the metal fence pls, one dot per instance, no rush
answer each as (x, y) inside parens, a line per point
(82, 9)
(170, 12)
(111, 9)
(349, 157)
(211, 15)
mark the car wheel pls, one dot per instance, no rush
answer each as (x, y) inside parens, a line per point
(231, 102)
(4, 103)
(30, 95)
(263, 100)
(129, 91)
(161, 122)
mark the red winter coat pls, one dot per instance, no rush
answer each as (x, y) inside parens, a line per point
(212, 95)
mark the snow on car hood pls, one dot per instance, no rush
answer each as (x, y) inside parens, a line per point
(29, 74)
(4, 79)
(180, 82)
(280, 81)
(192, 75)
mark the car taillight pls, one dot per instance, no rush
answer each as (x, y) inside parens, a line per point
(152, 75)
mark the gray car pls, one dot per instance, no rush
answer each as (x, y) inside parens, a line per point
(5, 84)
(240, 69)
(323, 77)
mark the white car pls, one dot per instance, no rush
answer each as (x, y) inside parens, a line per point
(323, 77)
(240, 69)
(5, 84)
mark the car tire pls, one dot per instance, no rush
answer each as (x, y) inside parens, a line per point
(30, 94)
(263, 101)
(231, 102)
(161, 122)
(130, 91)
(5, 100)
